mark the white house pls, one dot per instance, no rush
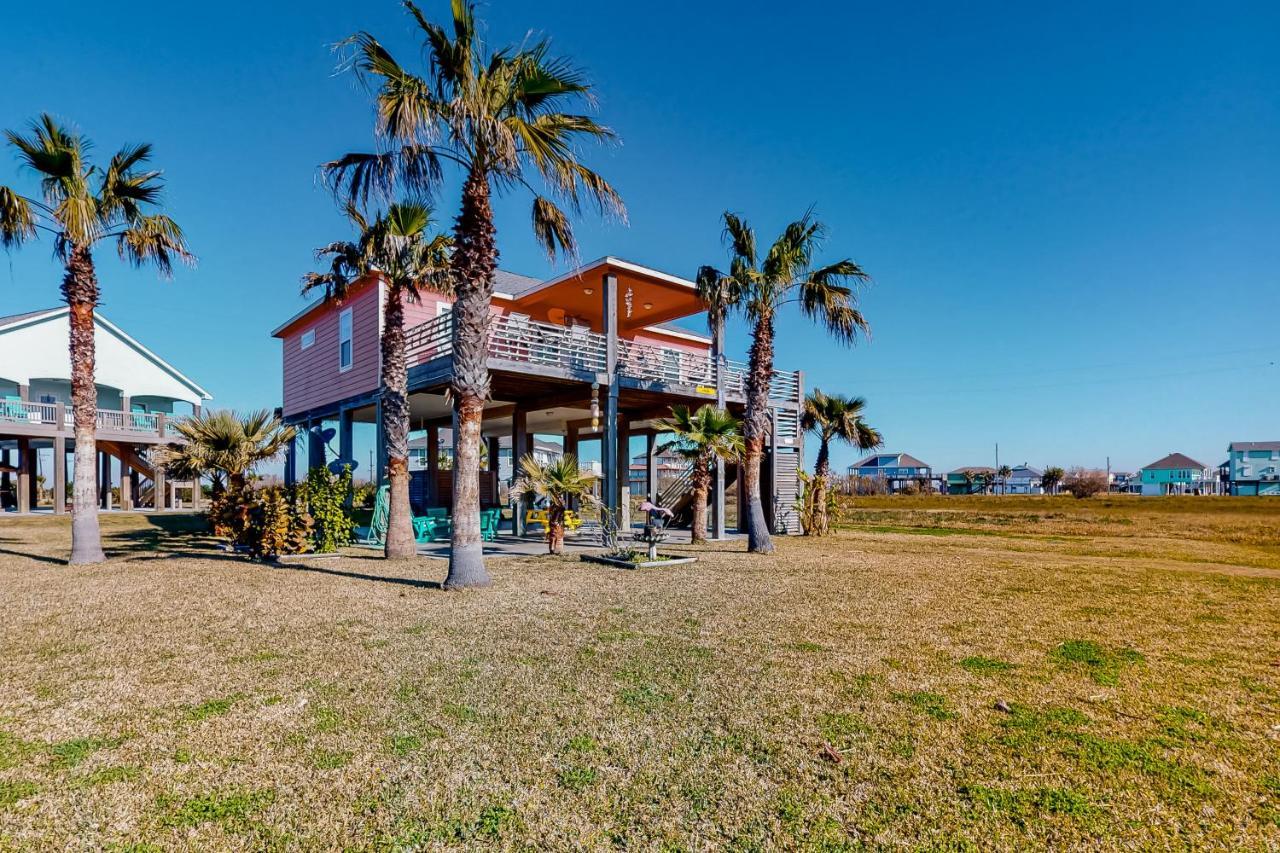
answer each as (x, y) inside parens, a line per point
(138, 392)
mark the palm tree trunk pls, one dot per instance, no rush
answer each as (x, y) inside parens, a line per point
(80, 290)
(759, 372)
(400, 541)
(701, 486)
(555, 529)
(821, 477)
(475, 257)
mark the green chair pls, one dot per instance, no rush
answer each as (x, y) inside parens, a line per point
(489, 519)
(424, 527)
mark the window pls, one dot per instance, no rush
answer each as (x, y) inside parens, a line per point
(308, 338)
(345, 352)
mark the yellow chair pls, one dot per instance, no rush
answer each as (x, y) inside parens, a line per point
(539, 516)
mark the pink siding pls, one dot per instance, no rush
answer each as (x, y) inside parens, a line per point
(311, 376)
(658, 339)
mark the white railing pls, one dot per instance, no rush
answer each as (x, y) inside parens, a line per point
(21, 411)
(517, 338)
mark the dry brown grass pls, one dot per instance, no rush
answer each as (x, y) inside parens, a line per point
(186, 699)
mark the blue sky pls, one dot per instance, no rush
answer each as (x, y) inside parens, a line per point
(1072, 215)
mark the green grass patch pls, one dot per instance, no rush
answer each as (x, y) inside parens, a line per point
(1020, 804)
(841, 730)
(70, 753)
(226, 808)
(806, 646)
(577, 777)
(211, 708)
(14, 750)
(982, 665)
(112, 775)
(13, 790)
(1103, 664)
(461, 713)
(328, 759)
(930, 704)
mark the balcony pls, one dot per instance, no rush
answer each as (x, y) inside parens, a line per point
(19, 417)
(516, 343)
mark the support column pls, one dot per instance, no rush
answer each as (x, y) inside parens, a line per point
(717, 475)
(346, 448)
(25, 476)
(5, 482)
(315, 445)
(104, 467)
(571, 449)
(126, 487)
(624, 471)
(433, 465)
(495, 485)
(519, 438)
(651, 469)
(59, 470)
(159, 490)
(609, 441)
(381, 450)
(291, 460)
(197, 492)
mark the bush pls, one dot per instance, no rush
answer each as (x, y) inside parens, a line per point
(325, 495)
(1085, 482)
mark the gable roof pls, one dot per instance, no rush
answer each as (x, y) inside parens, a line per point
(1174, 461)
(1254, 445)
(975, 469)
(16, 322)
(1035, 472)
(903, 460)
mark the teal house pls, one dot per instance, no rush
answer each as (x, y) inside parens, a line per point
(1253, 468)
(1177, 474)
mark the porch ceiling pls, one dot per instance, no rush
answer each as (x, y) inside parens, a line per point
(655, 297)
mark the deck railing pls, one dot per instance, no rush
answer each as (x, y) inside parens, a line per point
(46, 415)
(519, 339)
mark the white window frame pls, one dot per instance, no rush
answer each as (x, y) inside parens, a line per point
(348, 318)
(308, 339)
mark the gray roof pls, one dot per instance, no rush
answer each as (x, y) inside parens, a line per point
(18, 318)
(1034, 472)
(1254, 445)
(1174, 461)
(512, 283)
(904, 460)
(976, 469)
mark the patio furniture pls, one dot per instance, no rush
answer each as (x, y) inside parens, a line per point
(425, 528)
(489, 519)
(12, 409)
(539, 516)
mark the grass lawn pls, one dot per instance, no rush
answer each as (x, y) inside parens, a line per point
(942, 674)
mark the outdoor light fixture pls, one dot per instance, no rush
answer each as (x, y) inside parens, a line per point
(648, 305)
(595, 405)
(588, 291)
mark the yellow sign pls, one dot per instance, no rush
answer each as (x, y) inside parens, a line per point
(706, 389)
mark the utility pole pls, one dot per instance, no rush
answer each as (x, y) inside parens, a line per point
(998, 460)
(1108, 475)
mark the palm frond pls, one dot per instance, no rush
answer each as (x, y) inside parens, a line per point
(17, 218)
(154, 239)
(552, 228)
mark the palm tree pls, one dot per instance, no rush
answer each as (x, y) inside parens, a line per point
(833, 416)
(1005, 472)
(498, 116)
(398, 247)
(970, 480)
(702, 437)
(226, 446)
(80, 206)
(1052, 478)
(560, 481)
(760, 287)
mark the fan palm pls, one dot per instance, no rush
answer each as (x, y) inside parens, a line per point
(1004, 472)
(226, 445)
(560, 481)
(703, 437)
(970, 481)
(81, 205)
(760, 287)
(499, 116)
(398, 247)
(1052, 478)
(831, 417)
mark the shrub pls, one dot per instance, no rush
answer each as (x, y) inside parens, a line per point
(1085, 482)
(324, 494)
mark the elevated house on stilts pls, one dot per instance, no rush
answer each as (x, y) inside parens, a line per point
(588, 356)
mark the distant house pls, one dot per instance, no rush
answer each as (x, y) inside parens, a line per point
(1253, 468)
(1024, 480)
(895, 470)
(959, 484)
(1124, 482)
(1177, 474)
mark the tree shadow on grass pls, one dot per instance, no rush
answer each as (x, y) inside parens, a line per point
(414, 582)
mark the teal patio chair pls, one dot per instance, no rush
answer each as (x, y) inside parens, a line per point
(489, 519)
